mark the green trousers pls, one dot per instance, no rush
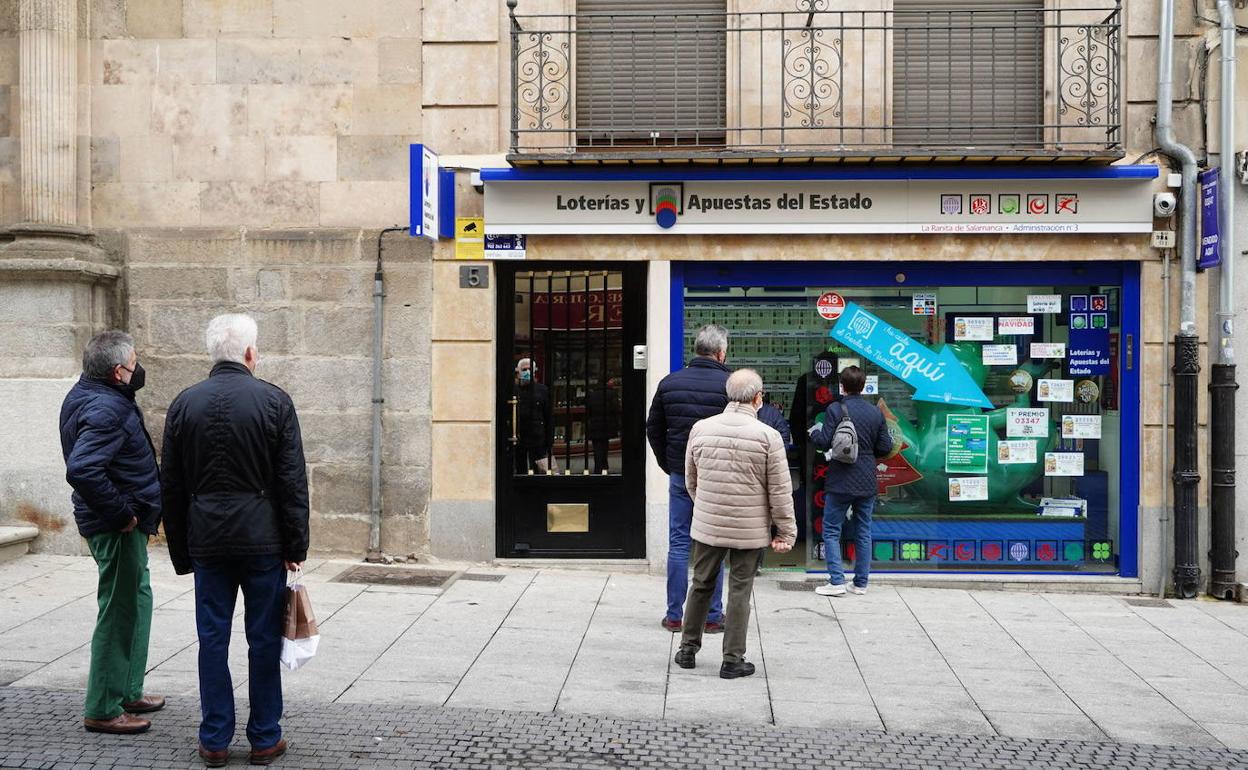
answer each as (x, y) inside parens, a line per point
(123, 624)
(706, 562)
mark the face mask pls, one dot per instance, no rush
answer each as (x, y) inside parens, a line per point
(138, 377)
(526, 375)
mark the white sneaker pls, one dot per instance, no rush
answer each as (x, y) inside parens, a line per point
(853, 589)
(827, 589)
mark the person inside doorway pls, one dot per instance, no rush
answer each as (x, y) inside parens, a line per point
(535, 420)
(602, 419)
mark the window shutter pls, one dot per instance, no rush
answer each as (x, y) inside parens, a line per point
(643, 66)
(969, 72)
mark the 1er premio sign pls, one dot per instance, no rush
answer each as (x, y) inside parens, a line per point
(830, 305)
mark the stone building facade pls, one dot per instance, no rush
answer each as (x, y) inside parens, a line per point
(218, 155)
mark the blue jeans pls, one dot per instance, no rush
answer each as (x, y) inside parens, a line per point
(679, 519)
(263, 580)
(834, 509)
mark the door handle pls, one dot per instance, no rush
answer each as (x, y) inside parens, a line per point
(515, 439)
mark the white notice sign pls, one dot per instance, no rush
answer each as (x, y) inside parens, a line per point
(872, 386)
(969, 488)
(1056, 390)
(972, 329)
(1023, 324)
(1000, 355)
(1048, 350)
(1081, 426)
(1044, 303)
(1027, 423)
(1063, 463)
(1016, 452)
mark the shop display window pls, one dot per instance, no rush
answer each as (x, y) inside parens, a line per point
(1034, 483)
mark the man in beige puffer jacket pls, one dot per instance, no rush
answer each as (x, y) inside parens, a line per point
(738, 476)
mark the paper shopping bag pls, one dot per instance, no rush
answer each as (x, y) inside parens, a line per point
(301, 637)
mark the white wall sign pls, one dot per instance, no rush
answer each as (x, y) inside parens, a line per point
(1044, 303)
(425, 193)
(628, 206)
(1048, 350)
(1016, 325)
(1000, 355)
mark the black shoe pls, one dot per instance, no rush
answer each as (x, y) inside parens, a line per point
(736, 670)
(686, 658)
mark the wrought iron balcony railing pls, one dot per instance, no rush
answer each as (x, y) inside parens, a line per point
(1020, 80)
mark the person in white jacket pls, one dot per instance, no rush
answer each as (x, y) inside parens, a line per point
(737, 473)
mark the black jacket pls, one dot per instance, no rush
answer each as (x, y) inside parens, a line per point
(694, 393)
(233, 473)
(874, 441)
(535, 421)
(109, 460)
(602, 413)
(770, 415)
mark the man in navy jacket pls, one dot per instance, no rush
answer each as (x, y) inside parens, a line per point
(110, 463)
(694, 393)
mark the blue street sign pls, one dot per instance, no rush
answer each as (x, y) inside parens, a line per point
(1210, 241)
(934, 377)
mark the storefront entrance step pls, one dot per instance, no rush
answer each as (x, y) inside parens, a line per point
(631, 566)
(1078, 584)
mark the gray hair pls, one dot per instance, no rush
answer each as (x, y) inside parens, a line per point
(743, 385)
(229, 336)
(712, 340)
(105, 351)
(532, 365)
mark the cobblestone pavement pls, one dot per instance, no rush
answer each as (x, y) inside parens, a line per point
(42, 729)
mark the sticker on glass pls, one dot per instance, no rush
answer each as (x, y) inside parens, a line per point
(923, 304)
(1027, 423)
(1048, 350)
(964, 488)
(1063, 463)
(1056, 390)
(972, 329)
(1000, 355)
(1044, 303)
(1023, 324)
(1081, 426)
(872, 386)
(1016, 452)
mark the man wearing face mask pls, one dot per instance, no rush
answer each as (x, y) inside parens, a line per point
(535, 420)
(111, 465)
(236, 500)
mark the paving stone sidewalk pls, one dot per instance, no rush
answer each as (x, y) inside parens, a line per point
(40, 729)
(563, 643)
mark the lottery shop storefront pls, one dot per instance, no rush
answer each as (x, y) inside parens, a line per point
(996, 312)
(1032, 463)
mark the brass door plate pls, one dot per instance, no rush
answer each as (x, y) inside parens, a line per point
(567, 517)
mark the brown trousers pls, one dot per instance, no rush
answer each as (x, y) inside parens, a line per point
(707, 560)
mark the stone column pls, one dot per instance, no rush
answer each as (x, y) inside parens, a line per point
(57, 287)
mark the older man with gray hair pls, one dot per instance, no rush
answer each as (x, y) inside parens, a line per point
(110, 463)
(236, 502)
(737, 473)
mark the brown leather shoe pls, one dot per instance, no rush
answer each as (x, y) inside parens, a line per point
(123, 724)
(214, 758)
(145, 705)
(266, 756)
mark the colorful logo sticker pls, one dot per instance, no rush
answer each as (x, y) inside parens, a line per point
(912, 551)
(1072, 550)
(1011, 203)
(1101, 551)
(1046, 550)
(1020, 550)
(1067, 203)
(667, 202)
(964, 550)
(990, 550)
(981, 204)
(937, 550)
(1037, 204)
(885, 550)
(951, 204)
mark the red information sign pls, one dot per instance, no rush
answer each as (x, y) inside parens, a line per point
(830, 305)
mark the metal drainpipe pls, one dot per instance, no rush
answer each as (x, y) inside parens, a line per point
(1163, 520)
(374, 531)
(1186, 343)
(1222, 384)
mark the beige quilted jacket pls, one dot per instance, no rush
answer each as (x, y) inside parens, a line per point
(738, 477)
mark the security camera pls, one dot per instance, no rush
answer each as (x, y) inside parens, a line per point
(1164, 204)
(477, 184)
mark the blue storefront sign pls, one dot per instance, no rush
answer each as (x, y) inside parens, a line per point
(1210, 248)
(1088, 352)
(934, 376)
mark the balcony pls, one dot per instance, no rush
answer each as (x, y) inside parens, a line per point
(1016, 81)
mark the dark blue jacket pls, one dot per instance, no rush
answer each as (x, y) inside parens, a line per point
(109, 460)
(694, 393)
(874, 441)
(770, 415)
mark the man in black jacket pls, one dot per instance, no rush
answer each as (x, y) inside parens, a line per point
(236, 514)
(694, 393)
(851, 485)
(535, 420)
(110, 463)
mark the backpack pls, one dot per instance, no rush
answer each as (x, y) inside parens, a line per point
(845, 440)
